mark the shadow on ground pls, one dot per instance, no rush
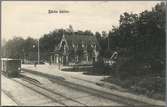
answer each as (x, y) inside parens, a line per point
(44, 74)
(87, 70)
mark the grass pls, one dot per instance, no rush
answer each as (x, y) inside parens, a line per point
(142, 83)
(149, 85)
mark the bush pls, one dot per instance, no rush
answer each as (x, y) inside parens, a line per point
(136, 67)
(99, 63)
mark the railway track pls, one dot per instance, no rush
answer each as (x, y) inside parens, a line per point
(94, 92)
(32, 84)
(8, 94)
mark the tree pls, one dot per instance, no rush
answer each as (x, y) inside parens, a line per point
(142, 36)
(30, 49)
(14, 48)
(104, 34)
(70, 29)
(98, 36)
(49, 41)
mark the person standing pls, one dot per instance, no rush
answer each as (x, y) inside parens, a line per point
(59, 63)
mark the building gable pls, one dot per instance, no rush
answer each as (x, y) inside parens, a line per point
(78, 40)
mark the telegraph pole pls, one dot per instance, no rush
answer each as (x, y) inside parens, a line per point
(108, 41)
(38, 53)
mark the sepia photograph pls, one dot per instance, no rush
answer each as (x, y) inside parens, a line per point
(83, 53)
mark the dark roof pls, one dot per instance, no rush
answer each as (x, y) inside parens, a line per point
(79, 39)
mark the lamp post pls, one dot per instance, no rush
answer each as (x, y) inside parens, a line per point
(38, 51)
(23, 55)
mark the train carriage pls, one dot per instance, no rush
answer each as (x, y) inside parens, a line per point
(10, 67)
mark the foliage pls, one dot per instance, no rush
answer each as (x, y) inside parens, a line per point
(139, 40)
(140, 36)
(28, 48)
(13, 48)
(143, 37)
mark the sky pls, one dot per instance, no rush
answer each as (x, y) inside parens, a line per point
(31, 18)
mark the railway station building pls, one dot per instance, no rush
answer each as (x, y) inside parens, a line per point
(74, 49)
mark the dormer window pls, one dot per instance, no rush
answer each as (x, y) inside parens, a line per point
(83, 45)
(92, 45)
(73, 45)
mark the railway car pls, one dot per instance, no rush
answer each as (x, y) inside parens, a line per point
(11, 67)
